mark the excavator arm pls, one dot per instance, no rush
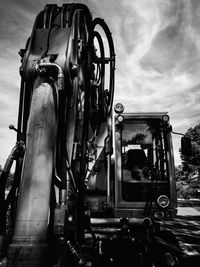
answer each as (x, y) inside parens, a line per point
(64, 100)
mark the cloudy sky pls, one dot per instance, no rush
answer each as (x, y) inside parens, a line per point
(157, 44)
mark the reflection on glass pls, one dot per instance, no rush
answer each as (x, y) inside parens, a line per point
(143, 159)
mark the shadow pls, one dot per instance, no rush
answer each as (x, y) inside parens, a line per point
(189, 203)
(192, 261)
(187, 231)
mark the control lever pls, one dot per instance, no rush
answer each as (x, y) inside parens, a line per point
(12, 127)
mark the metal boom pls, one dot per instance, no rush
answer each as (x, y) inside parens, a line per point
(63, 102)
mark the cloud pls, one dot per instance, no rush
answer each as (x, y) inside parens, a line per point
(158, 55)
(158, 67)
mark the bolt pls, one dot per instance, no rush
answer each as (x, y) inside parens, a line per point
(74, 70)
(43, 70)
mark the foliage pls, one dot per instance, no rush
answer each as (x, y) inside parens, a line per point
(9, 179)
(188, 177)
(188, 182)
(194, 134)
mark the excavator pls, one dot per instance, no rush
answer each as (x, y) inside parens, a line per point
(91, 183)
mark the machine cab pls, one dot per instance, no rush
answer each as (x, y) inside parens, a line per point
(145, 183)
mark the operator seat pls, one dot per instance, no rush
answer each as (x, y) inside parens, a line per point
(136, 157)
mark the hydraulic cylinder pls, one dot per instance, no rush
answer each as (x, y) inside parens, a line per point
(29, 244)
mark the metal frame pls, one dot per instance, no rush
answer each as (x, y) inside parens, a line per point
(136, 209)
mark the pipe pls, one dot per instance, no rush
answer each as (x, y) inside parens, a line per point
(29, 245)
(111, 222)
(63, 193)
(61, 77)
(108, 179)
(109, 152)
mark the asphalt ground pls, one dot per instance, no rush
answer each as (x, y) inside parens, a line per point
(186, 227)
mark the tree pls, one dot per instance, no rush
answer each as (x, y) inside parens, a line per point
(188, 179)
(194, 134)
